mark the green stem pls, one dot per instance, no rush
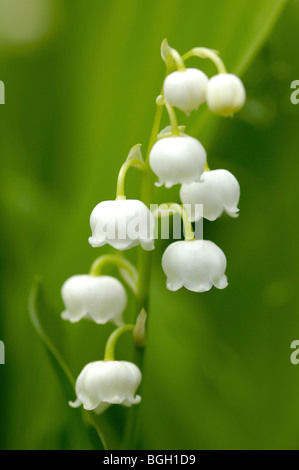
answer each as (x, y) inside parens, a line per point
(120, 189)
(146, 196)
(205, 53)
(172, 118)
(144, 270)
(99, 263)
(110, 345)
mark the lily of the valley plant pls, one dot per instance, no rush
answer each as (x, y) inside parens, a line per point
(172, 158)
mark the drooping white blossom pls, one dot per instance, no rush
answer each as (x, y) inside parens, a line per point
(105, 383)
(97, 298)
(186, 89)
(177, 160)
(122, 223)
(217, 191)
(196, 265)
(226, 94)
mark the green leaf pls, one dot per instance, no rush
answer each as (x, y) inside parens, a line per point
(37, 305)
(165, 54)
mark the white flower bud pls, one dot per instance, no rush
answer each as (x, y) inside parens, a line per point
(122, 224)
(186, 89)
(196, 265)
(105, 383)
(97, 298)
(217, 191)
(226, 94)
(177, 160)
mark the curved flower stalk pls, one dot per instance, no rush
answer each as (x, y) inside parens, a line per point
(175, 158)
(126, 269)
(218, 191)
(172, 208)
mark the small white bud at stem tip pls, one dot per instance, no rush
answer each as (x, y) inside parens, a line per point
(226, 94)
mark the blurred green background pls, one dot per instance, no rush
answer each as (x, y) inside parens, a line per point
(81, 81)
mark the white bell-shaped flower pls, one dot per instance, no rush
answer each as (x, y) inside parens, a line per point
(122, 224)
(226, 94)
(196, 265)
(105, 383)
(97, 298)
(217, 191)
(186, 89)
(177, 160)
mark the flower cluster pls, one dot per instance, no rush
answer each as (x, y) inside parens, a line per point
(174, 158)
